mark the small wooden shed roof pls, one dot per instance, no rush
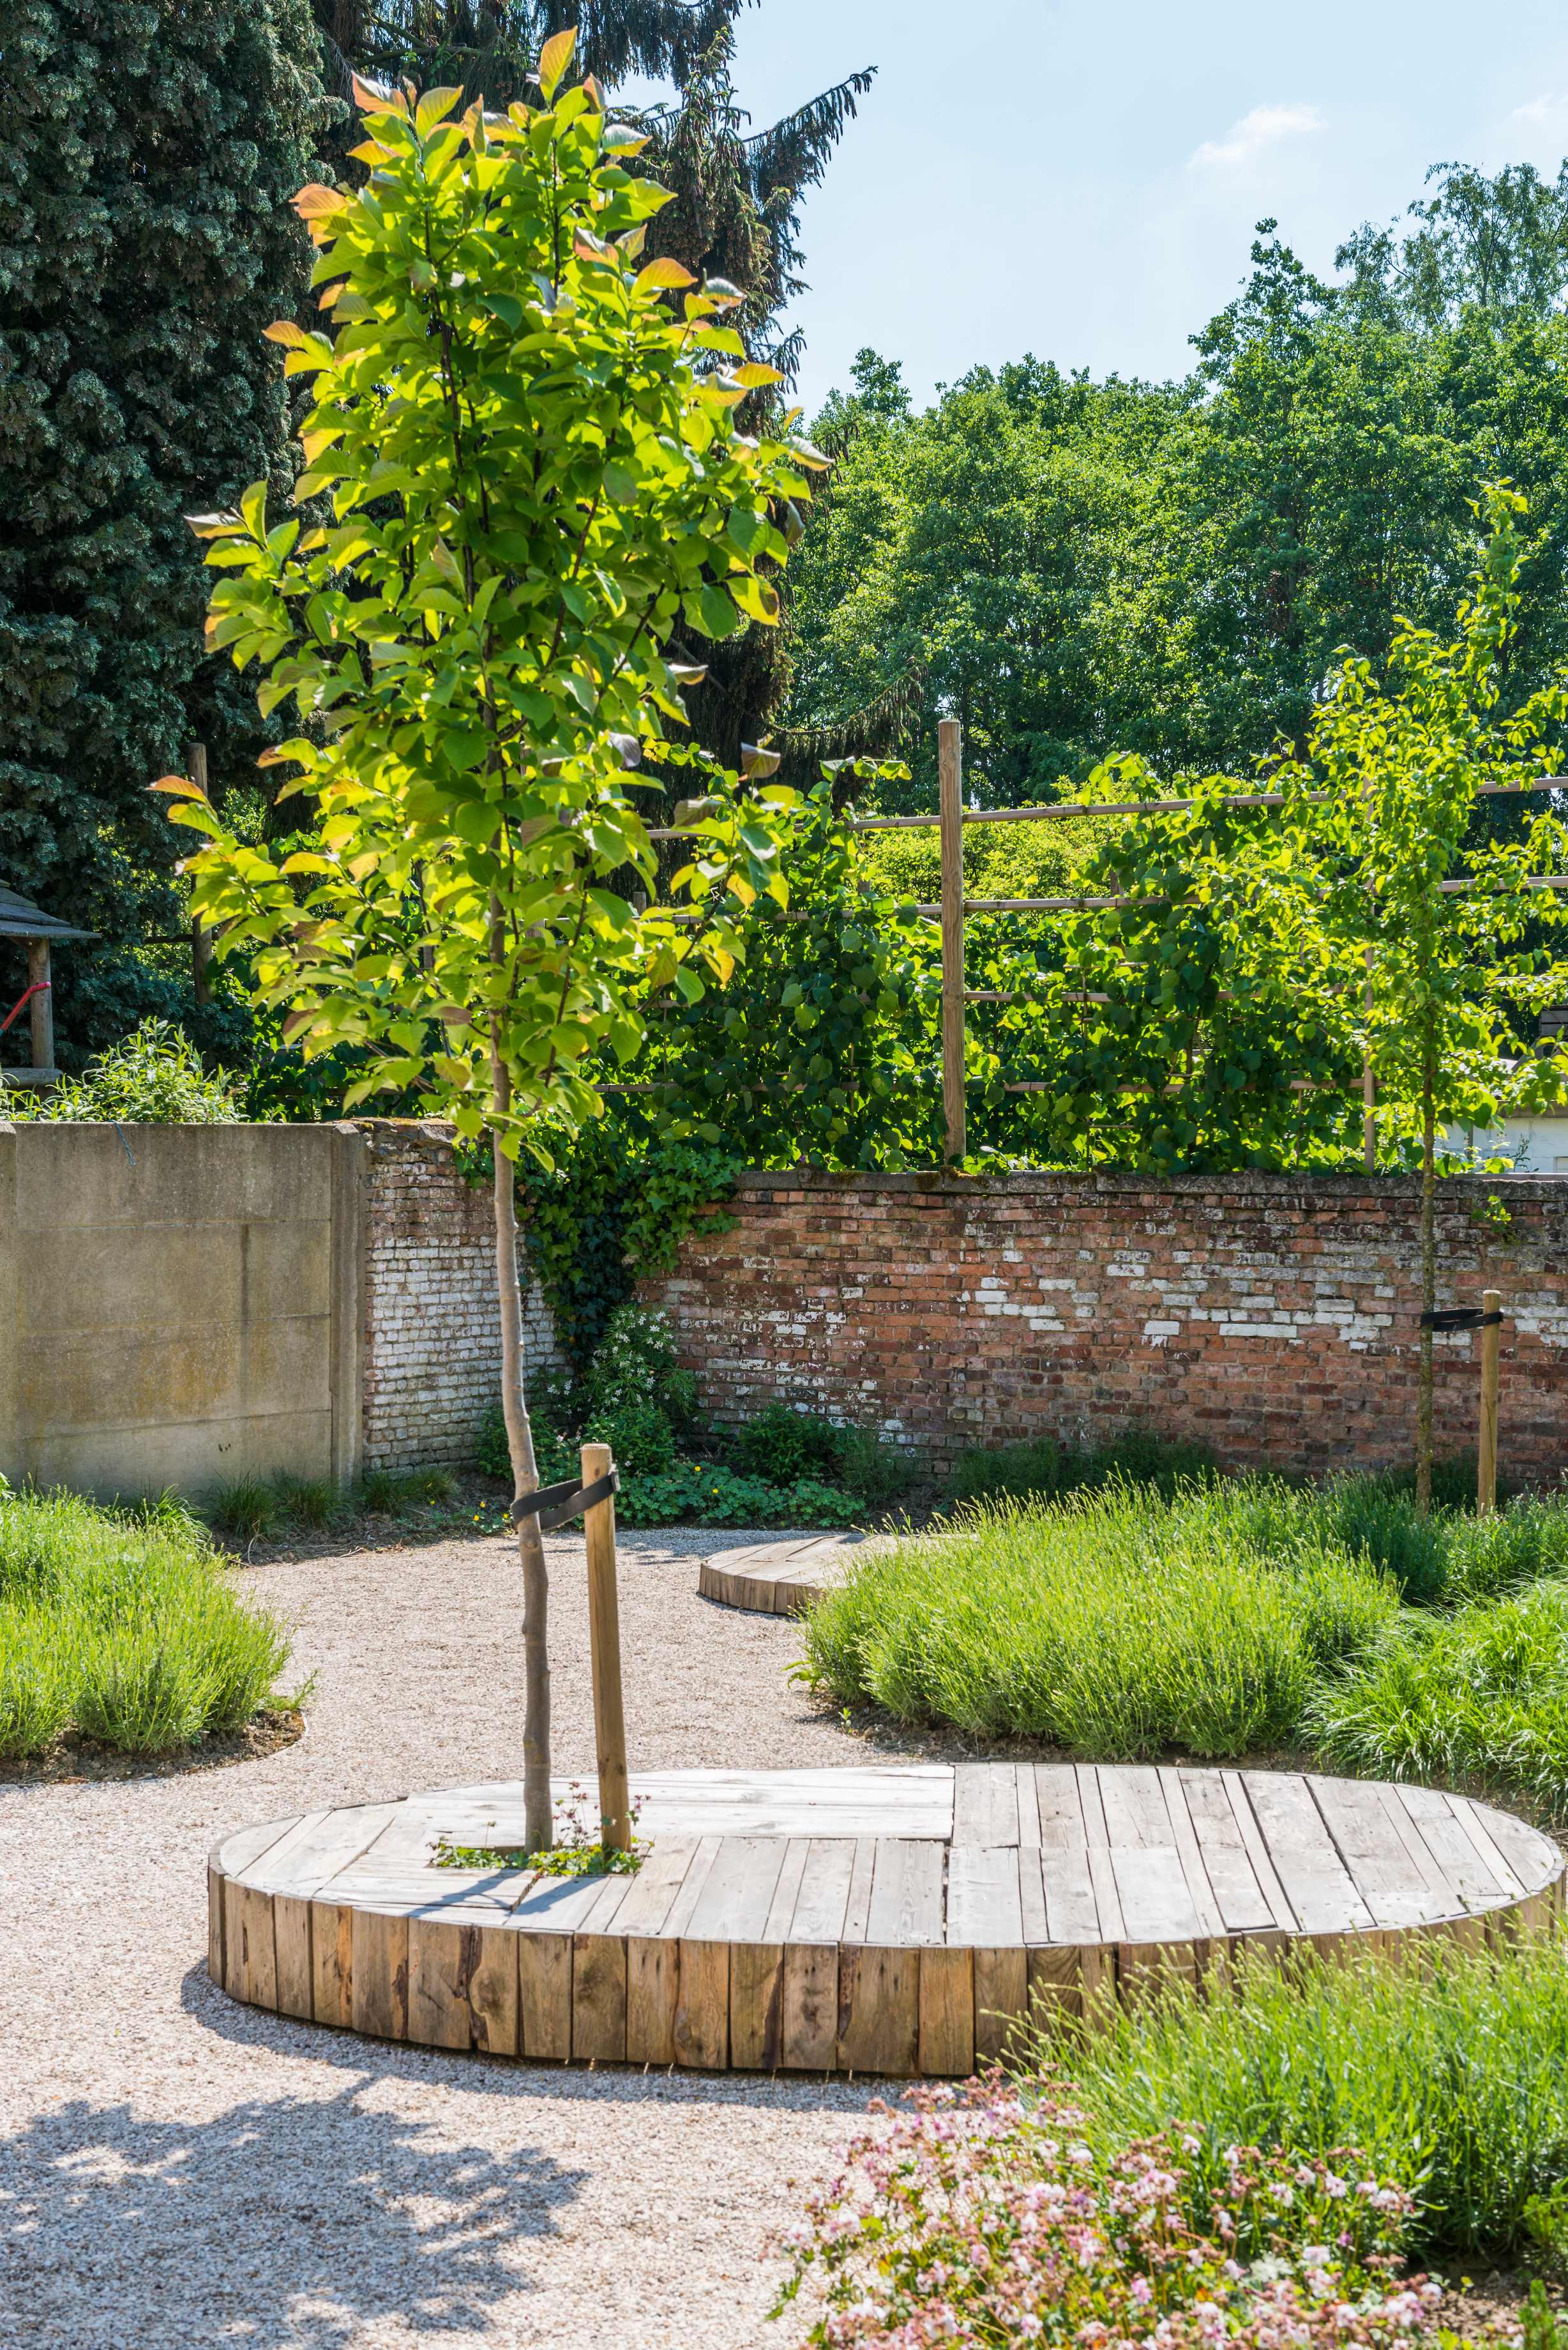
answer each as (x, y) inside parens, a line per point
(20, 918)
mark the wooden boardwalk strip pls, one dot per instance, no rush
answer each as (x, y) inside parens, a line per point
(1316, 1880)
(1243, 1906)
(822, 1903)
(906, 1893)
(1396, 1889)
(892, 1920)
(985, 1908)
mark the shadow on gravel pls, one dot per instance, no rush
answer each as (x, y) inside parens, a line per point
(504, 2076)
(287, 2221)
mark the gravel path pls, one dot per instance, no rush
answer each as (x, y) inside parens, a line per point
(176, 2171)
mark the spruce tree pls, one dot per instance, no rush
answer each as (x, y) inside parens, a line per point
(145, 243)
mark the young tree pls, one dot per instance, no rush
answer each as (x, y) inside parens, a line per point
(535, 477)
(1455, 924)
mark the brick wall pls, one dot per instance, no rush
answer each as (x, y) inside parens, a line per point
(1271, 1316)
(431, 1362)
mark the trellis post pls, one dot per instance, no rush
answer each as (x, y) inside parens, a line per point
(950, 782)
(1486, 1453)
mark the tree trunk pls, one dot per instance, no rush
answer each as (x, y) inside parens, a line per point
(538, 1820)
(1428, 1291)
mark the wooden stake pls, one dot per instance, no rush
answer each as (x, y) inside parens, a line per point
(604, 1643)
(950, 782)
(1486, 1459)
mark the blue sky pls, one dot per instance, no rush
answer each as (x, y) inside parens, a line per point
(1081, 180)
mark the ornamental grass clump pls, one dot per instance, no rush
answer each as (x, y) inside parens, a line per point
(123, 1627)
(1448, 2068)
(1109, 1624)
(1480, 1694)
(986, 2216)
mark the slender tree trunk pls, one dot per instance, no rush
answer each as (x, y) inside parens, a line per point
(538, 1822)
(1428, 1289)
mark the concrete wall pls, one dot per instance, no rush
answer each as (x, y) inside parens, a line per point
(179, 1305)
(1271, 1316)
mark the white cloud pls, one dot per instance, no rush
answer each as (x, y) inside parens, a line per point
(1246, 140)
(1538, 111)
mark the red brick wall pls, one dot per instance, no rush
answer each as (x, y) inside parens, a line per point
(1271, 1316)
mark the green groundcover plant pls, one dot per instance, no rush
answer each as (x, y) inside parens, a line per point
(121, 1626)
(1109, 1624)
(988, 2216)
(1448, 2069)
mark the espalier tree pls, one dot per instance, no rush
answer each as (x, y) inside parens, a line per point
(535, 480)
(1449, 927)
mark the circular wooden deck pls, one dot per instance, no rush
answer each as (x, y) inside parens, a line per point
(891, 1920)
(777, 1578)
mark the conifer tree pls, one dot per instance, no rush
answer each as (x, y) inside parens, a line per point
(145, 243)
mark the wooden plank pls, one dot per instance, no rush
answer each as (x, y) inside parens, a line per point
(947, 2014)
(250, 1953)
(1028, 1800)
(321, 1843)
(984, 1902)
(238, 1852)
(1472, 1818)
(1059, 1807)
(652, 1987)
(438, 2009)
(1001, 2000)
(650, 1894)
(1314, 1876)
(1145, 1967)
(690, 1889)
(906, 1892)
(858, 1907)
(463, 1986)
(1033, 1913)
(332, 1963)
(879, 2010)
(1395, 1890)
(598, 1999)
(1055, 1983)
(985, 1803)
(1536, 1861)
(701, 2029)
(1480, 1874)
(291, 1942)
(810, 2006)
(564, 1905)
(489, 1971)
(216, 1924)
(786, 1892)
(1257, 1851)
(1193, 1865)
(380, 1987)
(1157, 1904)
(1242, 1904)
(738, 1891)
(823, 1900)
(1098, 1846)
(756, 2006)
(1135, 1812)
(545, 1995)
(270, 1871)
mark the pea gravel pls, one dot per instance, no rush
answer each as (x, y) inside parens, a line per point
(177, 2172)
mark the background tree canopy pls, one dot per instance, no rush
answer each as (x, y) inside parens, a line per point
(1170, 570)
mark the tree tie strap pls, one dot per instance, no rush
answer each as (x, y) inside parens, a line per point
(553, 1504)
(1460, 1318)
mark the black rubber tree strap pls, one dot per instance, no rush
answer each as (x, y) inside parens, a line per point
(553, 1504)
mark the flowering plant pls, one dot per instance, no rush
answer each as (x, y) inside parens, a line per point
(983, 2216)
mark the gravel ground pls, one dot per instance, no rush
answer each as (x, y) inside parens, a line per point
(176, 2171)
